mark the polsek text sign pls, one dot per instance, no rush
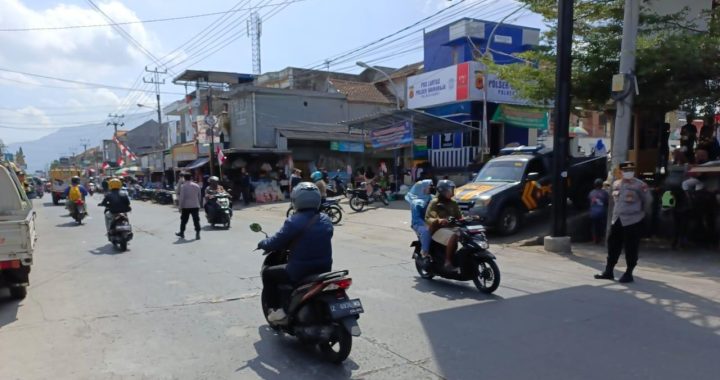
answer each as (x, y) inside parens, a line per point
(463, 82)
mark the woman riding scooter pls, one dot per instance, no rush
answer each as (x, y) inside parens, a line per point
(418, 197)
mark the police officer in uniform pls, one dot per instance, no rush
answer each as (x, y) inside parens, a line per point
(630, 196)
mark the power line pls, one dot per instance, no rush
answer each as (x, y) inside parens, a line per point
(91, 84)
(177, 18)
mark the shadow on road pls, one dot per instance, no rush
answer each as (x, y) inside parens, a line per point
(107, 249)
(452, 290)
(8, 308)
(183, 241)
(68, 224)
(283, 357)
(647, 330)
(50, 204)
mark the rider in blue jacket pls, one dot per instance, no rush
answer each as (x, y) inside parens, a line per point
(307, 234)
(419, 196)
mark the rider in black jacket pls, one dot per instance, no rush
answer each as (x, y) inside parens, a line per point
(115, 202)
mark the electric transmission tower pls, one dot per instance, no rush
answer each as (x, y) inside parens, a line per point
(254, 26)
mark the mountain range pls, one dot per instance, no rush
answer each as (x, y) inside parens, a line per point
(41, 152)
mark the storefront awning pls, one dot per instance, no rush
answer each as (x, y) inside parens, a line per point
(320, 136)
(197, 163)
(424, 124)
(255, 151)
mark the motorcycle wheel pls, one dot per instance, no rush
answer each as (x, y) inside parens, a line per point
(290, 212)
(338, 347)
(266, 310)
(335, 214)
(488, 278)
(357, 204)
(384, 199)
(123, 246)
(420, 267)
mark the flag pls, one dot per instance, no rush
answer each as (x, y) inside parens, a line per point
(121, 162)
(220, 156)
(105, 165)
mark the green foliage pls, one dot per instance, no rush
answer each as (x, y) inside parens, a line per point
(677, 65)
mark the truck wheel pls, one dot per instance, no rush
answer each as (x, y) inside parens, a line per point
(18, 293)
(509, 220)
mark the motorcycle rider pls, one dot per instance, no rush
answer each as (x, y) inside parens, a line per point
(419, 196)
(115, 202)
(74, 193)
(439, 210)
(318, 178)
(307, 234)
(214, 188)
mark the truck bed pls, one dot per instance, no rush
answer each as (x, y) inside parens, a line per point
(17, 237)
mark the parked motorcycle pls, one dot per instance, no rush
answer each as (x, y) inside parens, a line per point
(318, 308)
(164, 197)
(359, 198)
(331, 208)
(120, 231)
(476, 263)
(79, 213)
(219, 210)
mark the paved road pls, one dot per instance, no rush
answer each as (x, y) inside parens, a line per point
(171, 309)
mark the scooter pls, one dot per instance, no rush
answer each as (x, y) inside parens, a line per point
(120, 231)
(219, 210)
(331, 208)
(336, 187)
(318, 308)
(79, 213)
(91, 188)
(473, 259)
(359, 198)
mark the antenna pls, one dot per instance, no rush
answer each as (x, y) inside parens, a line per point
(254, 26)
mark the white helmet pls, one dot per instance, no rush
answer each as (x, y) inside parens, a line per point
(213, 179)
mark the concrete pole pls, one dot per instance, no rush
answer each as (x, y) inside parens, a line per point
(624, 112)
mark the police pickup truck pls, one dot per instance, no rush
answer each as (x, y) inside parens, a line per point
(519, 181)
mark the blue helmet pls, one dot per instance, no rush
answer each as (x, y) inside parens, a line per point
(316, 176)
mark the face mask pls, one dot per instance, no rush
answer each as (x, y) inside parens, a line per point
(628, 175)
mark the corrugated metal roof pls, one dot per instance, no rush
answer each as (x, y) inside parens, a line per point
(294, 134)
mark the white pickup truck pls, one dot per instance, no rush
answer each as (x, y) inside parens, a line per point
(17, 234)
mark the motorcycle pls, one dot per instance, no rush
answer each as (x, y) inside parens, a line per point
(476, 263)
(79, 212)
(331, 208)
(359, 198)
(336, 187)
(91, 188)
(219, 210)
(318, 308)
(120, 231)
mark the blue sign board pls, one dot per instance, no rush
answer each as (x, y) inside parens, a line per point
(347, 146)
(395, 136)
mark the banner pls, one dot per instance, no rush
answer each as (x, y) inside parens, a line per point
(522, 117)
(396, 136)
(347, 146)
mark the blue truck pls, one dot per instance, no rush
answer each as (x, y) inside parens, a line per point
(519, 181)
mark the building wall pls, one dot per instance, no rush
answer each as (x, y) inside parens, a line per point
(145, 138)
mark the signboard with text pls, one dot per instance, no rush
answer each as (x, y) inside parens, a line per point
(347, 146)
(395, 136)
(462, 82)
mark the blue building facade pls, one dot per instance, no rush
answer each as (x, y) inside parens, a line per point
(461, 44)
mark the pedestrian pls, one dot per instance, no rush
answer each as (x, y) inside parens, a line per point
(189, 201)
(598, 210)
(295, 178)
(688, 138)
(245, 186)
(630, 196)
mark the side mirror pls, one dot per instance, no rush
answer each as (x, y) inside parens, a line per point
(255, 227)
(534, 176)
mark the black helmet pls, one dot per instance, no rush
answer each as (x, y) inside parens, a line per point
(75, 180)
(444, 186)
(305, 196)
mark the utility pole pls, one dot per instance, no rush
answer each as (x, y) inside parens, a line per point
(209, 121)
(155, 79)
(115, 121)
(558, 241)
(624, 105)
(254, 30)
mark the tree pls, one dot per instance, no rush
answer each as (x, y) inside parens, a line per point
(677, 64)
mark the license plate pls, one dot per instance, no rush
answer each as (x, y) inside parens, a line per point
(123, 228)
(343, 309)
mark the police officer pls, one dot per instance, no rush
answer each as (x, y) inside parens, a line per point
(630, 196)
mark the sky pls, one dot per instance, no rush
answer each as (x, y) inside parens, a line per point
(299, 33)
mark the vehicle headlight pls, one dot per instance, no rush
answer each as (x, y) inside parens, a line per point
(483, 244)
(483, 201)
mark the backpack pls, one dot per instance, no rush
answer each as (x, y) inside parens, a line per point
(74, 193)
(668, 200)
